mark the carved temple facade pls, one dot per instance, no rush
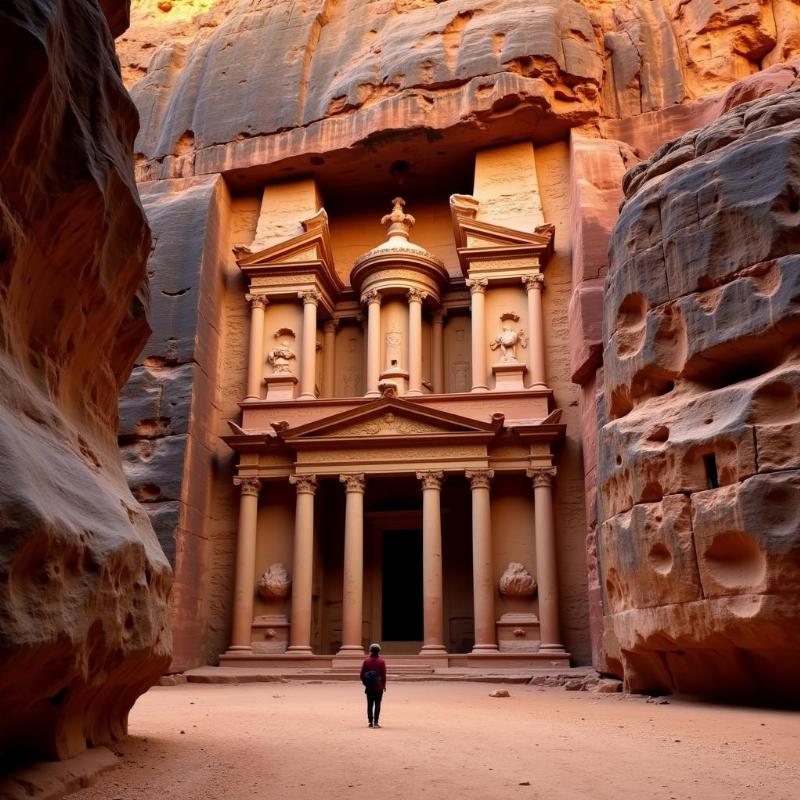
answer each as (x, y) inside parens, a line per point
(399, 442)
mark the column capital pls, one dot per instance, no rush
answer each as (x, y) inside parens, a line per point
(535, 281)
(431, 479)
(250, 486)
(477, 285)
(310, 296)
(330, 326)
(371, 296)
(542, 476)
(416, 295)
(479, 478)
(439, 316)
(353, 482)
(304, 484)
(257, 300)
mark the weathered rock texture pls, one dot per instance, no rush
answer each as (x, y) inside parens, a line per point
(699, 470)
(83, 583)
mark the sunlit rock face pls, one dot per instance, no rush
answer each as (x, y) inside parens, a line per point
(699, 468)
(83, 582)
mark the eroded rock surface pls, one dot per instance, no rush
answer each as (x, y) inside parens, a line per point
(699, 473)
(83, 582)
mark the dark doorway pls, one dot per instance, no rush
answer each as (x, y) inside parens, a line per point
(401, 596)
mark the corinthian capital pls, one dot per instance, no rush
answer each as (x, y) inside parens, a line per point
(354, 482)
(542, 476)
(480, 478)
(250, 486)
(371, 296)
(257, 300)
(477, 285)
(535, 281)
(431, 479)
(416, 295)
(304, 484)
(310, 296)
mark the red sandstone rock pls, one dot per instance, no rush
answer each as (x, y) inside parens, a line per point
(83, 582)
(698, 471)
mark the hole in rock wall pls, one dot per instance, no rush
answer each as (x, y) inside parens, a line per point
(775, 403)
(735, 560)
(660, 558)
(710, 465)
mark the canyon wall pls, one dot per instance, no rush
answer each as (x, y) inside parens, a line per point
(699, 467)
(83, 583)
(347, 90)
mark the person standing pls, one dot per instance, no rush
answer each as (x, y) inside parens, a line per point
(373, 676)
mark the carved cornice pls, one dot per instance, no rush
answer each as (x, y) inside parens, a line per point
(533, 281)
(304, 484)
(310, 296)
(431, 479)
(416, 295)
(542, 476)
(480, 479)
(248, 486)
(477, 285)
(257, 301)
(354, 482)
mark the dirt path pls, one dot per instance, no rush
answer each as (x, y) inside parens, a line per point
(294, 741)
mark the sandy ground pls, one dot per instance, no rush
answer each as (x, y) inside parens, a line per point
(446, 741)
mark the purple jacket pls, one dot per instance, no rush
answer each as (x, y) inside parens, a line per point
(376, 664)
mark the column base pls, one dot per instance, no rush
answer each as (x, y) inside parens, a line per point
(551, 648)
(373, 394)
(239, 648)
(433, 650)
(300, 649)
(414, 393)
(479, 389)
(482, 649)
(353, 650)
(253, 397)
(306, 397)
(538, 385)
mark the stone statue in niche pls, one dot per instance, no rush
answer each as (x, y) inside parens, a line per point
(394, 339)
(508, 339)
(281, 356)
(274, 583)
(517, 581)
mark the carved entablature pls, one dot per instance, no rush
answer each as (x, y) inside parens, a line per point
(503, 255)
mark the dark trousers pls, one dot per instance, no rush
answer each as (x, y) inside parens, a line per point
(374, 706)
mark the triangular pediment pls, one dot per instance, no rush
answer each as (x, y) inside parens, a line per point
(311, 245)
(392, 417)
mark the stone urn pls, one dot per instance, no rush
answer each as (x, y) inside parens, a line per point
(274, 583)
(517, 581)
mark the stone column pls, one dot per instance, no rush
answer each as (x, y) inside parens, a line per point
(482, 576)
(373, 300)
(255, 365)
(353, 584)
(415, 298)
(244, 578)
(546, 572)
(477, 290)
(329, 358)
(437, 344)
(534, 285)
(308, 358)
(303, 566)
(432, 593)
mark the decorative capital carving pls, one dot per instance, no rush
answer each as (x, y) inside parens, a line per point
(354, 482)
(477, 285)
(439, 316)
(304, 484)
(416, 295)
(248, 486)
(330, 325)
(535, 281)
(480, 478)
(431, 479)
(542, 476)
(371, 296)
(257, 301)
(310, 296)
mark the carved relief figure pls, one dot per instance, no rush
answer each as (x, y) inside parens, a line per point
(394, 338)
(517, 581)
(508, 339)
(460, 367)
(281, 356)
(274, 583)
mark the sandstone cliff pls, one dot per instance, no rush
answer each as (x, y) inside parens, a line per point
(699, 472)
(83, 583)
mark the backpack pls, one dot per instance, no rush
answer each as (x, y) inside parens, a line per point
(371, 679)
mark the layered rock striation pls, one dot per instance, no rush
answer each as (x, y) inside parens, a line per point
(83, 582)
(699, 467)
